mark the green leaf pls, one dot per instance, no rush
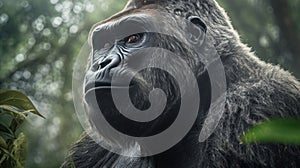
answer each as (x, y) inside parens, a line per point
(17, 100)
(3, 143)
(14, 111)
(16, 162)
(5, 118)
(19, 149)
(6, 132)
(281, 131)
(18, 116)
(3, 158)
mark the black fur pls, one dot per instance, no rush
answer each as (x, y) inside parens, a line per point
(256, 91)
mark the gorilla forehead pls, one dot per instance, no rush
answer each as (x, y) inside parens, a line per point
(125, 15)
(115, 22)
(149, 20)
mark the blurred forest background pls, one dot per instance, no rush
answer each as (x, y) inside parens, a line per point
(40, 39)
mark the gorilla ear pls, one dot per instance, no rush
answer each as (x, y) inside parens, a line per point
(198, 31)
(198, 22)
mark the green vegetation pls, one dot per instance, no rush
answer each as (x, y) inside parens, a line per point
(14, 109)
(282, 131)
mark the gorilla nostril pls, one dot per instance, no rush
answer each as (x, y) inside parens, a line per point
(104, 63)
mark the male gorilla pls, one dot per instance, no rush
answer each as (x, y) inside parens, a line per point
(256, 91)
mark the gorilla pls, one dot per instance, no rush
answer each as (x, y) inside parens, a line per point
(255, 91)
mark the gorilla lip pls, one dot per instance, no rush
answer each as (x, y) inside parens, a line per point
(93, 86)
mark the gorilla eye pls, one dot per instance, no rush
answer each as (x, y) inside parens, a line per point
(134, 38)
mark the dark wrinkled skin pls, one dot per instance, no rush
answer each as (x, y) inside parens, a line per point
(256, 91)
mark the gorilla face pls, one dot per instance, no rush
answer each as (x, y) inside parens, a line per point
(119, 53)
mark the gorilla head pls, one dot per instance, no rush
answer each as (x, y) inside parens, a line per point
(158, 68)
(157, 61)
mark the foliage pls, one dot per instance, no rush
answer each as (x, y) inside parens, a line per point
(14, 109)
(284, 131)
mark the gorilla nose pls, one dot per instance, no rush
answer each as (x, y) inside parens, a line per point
(106, 64)
(101, 75)
(102, 68)
(109, 63)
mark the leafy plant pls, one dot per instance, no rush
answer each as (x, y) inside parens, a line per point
(14, 109)
(281, 131)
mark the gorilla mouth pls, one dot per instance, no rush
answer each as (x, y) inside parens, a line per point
(97, 85)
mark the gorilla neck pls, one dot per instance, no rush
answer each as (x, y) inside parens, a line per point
(186, 153)
(189, 151)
